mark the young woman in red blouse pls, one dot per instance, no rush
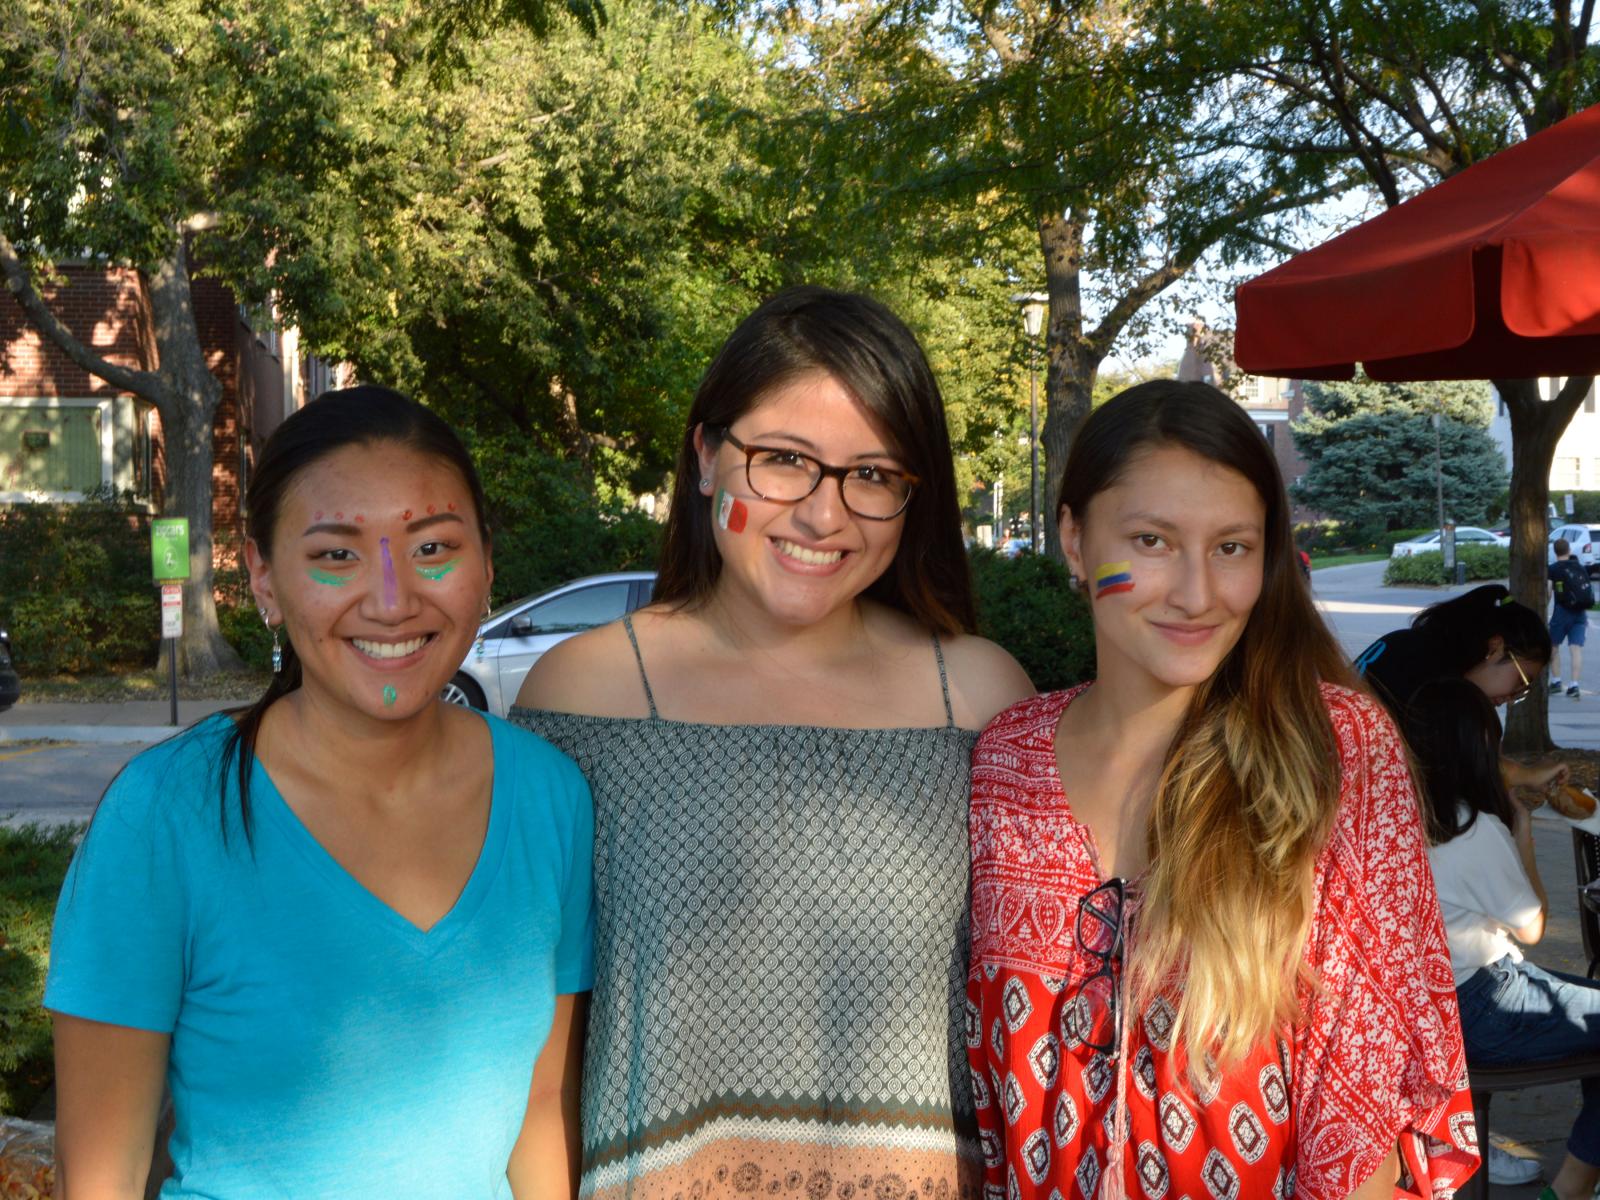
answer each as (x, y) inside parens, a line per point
(1207, 955)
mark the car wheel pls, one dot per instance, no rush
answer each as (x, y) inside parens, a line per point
(463, 689)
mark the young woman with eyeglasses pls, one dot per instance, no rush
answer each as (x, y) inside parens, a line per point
(1512, 1012)
(1483, 636)
(1207, 957)
(1494, 642)
(779, 750)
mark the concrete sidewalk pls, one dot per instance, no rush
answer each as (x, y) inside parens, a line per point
(125, 721)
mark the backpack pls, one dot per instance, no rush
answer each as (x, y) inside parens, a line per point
(1573, 589)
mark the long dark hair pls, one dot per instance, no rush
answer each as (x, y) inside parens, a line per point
(1458, 631)
(1454, 735)
(870, 352)
(358, 416)
(1250, 785)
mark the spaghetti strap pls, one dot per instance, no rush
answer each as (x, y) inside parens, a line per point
(944, 684)
(627, 623)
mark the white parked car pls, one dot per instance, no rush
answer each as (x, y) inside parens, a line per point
(515, 635)
(1466, 535)
(1584, 540)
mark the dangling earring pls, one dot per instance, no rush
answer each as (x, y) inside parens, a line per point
(277, 646)
(478, 652)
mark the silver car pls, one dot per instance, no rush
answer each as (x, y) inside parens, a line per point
(514, 636)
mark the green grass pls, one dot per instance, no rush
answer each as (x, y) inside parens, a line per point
(1343, 560)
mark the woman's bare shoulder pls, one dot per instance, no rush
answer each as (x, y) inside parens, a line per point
(984, 679)
(594, 673)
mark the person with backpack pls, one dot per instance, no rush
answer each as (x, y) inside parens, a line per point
(1569, 615)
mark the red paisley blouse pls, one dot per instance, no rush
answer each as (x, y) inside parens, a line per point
(1375, 1062)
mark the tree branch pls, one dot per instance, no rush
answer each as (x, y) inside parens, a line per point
(144, 383)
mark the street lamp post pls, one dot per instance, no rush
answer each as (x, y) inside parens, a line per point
(1033, 309)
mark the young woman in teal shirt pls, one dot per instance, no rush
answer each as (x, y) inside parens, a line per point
(347, 927)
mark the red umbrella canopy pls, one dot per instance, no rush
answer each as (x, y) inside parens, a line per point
(1492, 274)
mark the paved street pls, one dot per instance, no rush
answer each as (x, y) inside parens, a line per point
(52, 782)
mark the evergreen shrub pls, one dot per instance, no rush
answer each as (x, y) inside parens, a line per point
(1483, 563)
(1026, 606)
(33, 862)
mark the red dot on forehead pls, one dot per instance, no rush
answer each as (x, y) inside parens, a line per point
(431, 510)
(360, 520)
(338, 516)
(406, 516)
(319, 515)
(451, 506)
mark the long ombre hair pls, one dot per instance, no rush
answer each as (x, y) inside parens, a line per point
(1250, 786)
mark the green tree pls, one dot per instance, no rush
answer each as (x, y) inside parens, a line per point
(1369, 451)
(1068, 126)
(267, 144)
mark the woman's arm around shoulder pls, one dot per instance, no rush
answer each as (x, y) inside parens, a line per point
(594, 674)
(984, 680)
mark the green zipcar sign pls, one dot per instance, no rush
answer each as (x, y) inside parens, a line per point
(169, 547)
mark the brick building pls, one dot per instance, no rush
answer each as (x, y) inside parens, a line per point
(65, 433)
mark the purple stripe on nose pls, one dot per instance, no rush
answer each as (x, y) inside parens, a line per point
(391, 585)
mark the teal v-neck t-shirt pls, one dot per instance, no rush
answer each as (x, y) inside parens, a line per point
(322, 1045)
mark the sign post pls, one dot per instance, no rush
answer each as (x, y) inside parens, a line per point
(169, 563)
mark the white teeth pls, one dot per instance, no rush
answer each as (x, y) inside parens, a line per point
(389, 649)
(815, 557)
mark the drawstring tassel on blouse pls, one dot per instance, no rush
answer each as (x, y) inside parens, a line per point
(1112, 1184)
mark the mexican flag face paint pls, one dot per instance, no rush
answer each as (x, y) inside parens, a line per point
(1111, 578)
(731, 512)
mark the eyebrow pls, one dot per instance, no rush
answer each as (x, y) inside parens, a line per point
(1145, 518)
(343, 530)
(807, 444)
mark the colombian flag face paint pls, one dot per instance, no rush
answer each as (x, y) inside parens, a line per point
(1111, 578)
(731, 513)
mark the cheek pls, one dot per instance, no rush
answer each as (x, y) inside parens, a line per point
(1115, 578)
(731, 514)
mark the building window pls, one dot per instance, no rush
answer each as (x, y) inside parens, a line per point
(1267, 428)
(52, 449)
(143, 452)
(1588, 400)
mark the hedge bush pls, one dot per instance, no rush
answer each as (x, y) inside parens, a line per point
(33, 862)
(75, 589)
(1483, 563)
(1026, 605)
(77, 597)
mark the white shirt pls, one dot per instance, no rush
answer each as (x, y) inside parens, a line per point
(1483, 893)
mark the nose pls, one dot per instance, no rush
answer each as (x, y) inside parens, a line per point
(393, 594)
(1193, 588)
(822, 513)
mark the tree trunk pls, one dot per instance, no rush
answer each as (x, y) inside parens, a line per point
(188, 412)
(1071, 364)
(1536, 427)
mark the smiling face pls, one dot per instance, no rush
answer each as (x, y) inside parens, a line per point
(1172, 553)
(379, 574)
(799, 562)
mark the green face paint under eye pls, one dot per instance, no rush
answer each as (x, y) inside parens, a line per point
(439, 572)
(328, 577)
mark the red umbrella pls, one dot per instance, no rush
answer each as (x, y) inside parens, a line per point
(1492, 274)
